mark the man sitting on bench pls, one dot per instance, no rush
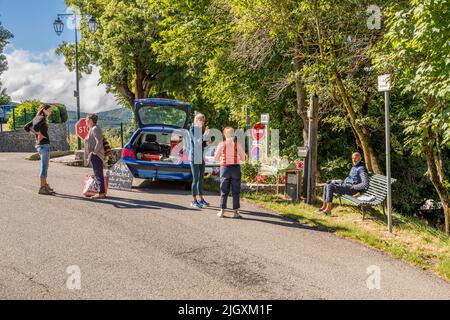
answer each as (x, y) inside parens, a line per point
(356, 182)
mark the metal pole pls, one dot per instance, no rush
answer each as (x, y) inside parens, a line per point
(249, 132)
(309, 173)
(77, 93)
(121, 133)
(388, 160)
(14, 118)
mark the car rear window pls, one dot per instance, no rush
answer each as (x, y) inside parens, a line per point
(164, 115)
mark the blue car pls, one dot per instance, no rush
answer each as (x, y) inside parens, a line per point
(159, 147)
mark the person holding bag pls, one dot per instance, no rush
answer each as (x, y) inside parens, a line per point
(230, 154)
(39, 127)
(94, 153)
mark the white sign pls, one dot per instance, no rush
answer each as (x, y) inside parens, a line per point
(265, 118)
(256, 143)
(384, 82)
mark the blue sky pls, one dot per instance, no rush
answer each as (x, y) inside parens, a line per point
(31, 22)
(34, 70)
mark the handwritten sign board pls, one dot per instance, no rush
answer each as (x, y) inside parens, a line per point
(120, 177)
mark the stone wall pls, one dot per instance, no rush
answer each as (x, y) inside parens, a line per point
(22, 141)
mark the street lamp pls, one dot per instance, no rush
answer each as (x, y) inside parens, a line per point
(58, 25)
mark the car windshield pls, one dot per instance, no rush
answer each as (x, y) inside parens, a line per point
(164, 115)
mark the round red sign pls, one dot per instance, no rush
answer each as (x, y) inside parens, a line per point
(82, 128)
(258, 131)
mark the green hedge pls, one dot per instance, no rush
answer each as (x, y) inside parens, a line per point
(26, 111)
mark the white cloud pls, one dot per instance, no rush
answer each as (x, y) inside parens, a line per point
(43, 76)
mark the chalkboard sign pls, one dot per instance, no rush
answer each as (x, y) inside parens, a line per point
(120, 177)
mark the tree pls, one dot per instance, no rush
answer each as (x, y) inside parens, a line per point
(122, 49)
(5, 36)
(416, 51)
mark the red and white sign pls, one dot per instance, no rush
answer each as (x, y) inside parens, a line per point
(258, 131)
(82, 128)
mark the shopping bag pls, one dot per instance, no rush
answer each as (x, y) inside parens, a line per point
(92, 187)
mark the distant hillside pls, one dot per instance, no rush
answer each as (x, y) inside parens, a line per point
(107, 119)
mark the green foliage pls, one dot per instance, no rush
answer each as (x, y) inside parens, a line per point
(25, 112)
(5, 37)
(249, 171)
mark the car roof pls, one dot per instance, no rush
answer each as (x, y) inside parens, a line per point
(161, 101)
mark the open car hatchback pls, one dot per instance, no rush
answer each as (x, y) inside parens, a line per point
(157, 149)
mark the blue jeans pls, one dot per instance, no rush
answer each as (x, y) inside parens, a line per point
(97, 165)
(198, 173)
(44, 153)
(339, 188)
(230, 176)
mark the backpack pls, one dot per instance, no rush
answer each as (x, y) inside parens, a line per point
(107, 148)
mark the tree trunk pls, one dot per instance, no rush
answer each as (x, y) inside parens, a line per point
(300, 92)
(361, 132)
(436, 175)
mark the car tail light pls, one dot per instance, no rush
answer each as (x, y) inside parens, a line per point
(128, 153)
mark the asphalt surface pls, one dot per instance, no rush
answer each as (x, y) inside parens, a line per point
(149, 244)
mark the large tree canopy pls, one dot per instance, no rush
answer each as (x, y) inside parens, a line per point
(122, 48)
(416, 50)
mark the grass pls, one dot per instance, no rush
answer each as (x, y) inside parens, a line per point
(412, 240)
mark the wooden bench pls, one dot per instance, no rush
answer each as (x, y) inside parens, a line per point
(377, 189)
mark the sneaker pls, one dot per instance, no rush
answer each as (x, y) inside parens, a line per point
(236, 215)
(203, 203)
(196, 204)
(99, 196)
(220, 214)
(50, 189)
(45, 191)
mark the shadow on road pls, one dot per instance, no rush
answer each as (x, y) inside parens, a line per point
(124, 203)
(281, 221)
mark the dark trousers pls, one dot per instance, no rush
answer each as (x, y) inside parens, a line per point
(97, 165)
(339, 188)
(198, 173)
(230, 176)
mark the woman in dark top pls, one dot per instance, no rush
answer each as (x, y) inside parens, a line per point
(40, 128)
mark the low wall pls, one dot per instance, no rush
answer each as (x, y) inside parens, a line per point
(22, 141)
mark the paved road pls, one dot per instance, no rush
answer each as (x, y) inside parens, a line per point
(149, 244)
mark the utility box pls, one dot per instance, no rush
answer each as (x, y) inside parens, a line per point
(294, 183)
(294, 187)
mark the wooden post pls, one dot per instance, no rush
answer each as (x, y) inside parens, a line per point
(312, 145)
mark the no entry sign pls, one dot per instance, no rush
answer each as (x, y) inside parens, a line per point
(82, 128)
(258, 131)
(256, 153)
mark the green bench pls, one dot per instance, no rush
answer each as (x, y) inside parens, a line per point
(377, 189)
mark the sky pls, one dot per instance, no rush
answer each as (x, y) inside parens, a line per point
(34, 70)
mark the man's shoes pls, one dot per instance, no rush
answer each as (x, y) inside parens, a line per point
(50, 189)
(196, 204)
(45, 191)
(320, 211)
(99, 196)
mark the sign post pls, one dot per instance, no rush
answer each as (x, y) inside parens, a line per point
(257, 135)
(384, 85)
(265, 119)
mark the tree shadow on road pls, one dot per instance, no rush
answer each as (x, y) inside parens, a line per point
(281, 221)
(127, 203)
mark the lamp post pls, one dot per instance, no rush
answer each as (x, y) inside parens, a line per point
(58, 25)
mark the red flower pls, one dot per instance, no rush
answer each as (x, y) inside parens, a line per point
(299, 164)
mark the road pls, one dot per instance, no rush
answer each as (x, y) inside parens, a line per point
(149, 244)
